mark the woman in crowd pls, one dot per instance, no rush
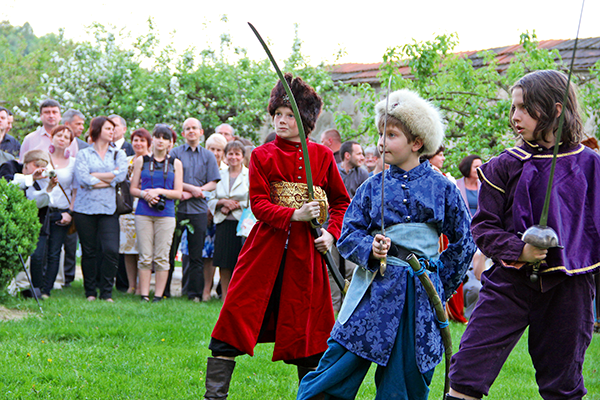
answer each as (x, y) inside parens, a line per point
(157, 180)
(61, 201)
(231, 197)
(141, 142)
(216, 144)
(371, 158)
(469, 184)
(98, 169)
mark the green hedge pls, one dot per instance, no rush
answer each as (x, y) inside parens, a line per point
(19, 230)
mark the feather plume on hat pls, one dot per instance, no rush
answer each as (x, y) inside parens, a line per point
(308, 101)
(420, 117)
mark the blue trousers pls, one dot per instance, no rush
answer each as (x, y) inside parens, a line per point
(340, 372)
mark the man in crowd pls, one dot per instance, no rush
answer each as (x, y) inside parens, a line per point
(8, 144)
(10, 121)
(119, 135)
(75, 120)
(40, 138)
(351, 169)
(331, 138)
(200, 174)
(227, 131)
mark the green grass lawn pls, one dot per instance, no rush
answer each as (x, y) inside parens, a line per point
(130, 350)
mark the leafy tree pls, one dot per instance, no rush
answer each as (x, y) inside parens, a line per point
(24, 58)
(475, 102)
(146, 85)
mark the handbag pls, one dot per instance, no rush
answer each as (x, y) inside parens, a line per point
(123, 195)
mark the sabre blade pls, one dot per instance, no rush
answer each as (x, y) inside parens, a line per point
(387, 102)
(383, 261)
(561, 120)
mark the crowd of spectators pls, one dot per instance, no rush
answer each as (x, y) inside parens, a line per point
(188, 197)
(186, 191)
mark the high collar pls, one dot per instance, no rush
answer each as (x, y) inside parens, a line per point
(413, 174)
(288, 145)
(536, 149)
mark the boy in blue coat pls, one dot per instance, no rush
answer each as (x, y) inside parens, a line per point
(389, 319)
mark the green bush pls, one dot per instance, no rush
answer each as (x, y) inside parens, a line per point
(19, 230)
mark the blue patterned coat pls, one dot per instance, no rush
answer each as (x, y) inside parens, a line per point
(420, 205)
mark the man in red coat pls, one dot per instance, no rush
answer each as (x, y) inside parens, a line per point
(280, 291)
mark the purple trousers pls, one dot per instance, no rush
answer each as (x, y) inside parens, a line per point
(560, 324)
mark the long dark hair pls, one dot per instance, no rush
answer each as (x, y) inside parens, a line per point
(542, 90)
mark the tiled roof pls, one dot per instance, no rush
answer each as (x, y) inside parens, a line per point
(588, 53)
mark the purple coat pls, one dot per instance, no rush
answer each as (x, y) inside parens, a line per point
(512, 197)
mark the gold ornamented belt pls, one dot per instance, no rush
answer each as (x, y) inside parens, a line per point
(294, 195)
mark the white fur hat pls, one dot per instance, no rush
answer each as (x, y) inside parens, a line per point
(420, 116)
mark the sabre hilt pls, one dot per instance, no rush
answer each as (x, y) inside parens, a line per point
(542, 237)
(382, 261)
(314, 223)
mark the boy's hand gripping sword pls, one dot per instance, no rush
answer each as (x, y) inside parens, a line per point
(314, 224)
(542, 236)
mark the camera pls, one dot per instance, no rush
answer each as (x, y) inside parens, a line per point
(48, 173)
(160, 205)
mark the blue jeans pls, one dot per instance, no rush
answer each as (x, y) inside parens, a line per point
(56, 239)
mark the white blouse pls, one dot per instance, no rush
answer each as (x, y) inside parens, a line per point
(66, 179)
(239, 191)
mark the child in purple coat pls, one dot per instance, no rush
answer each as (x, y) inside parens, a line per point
(557, 308)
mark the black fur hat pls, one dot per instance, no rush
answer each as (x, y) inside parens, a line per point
(308, 101)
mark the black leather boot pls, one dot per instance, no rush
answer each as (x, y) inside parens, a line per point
(218, 377)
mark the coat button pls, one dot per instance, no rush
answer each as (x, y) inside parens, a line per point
(299, 167)
(405, 201)
(408, 218)
(403, 186)
(299, 177)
